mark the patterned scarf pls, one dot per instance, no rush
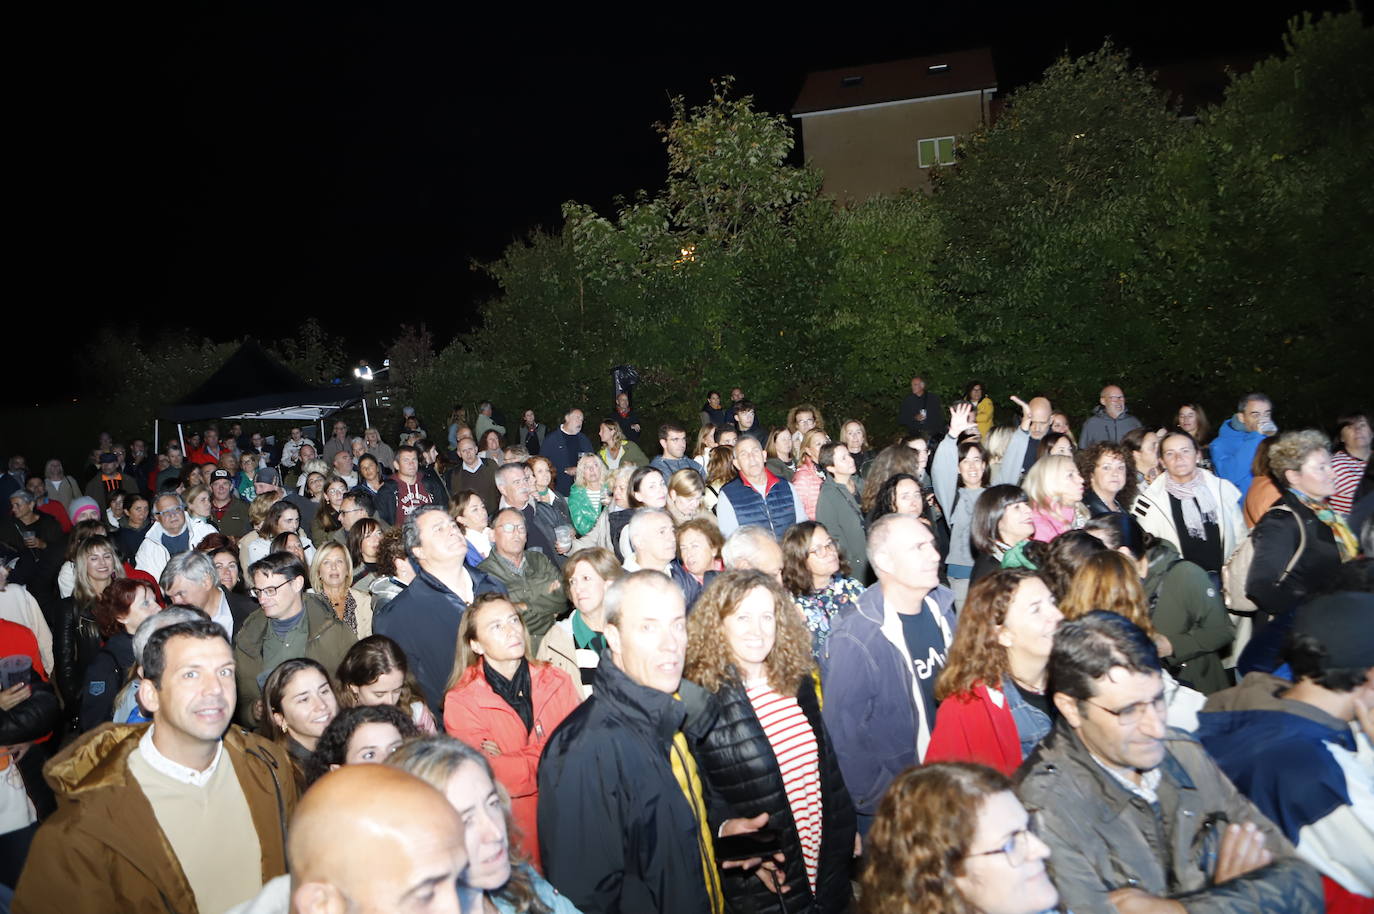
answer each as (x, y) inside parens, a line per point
(1345, 540)
(1199, 507)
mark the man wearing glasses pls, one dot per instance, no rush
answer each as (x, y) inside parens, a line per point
(1139, 817)
(532, 580)
(290, 623)
(172, 533)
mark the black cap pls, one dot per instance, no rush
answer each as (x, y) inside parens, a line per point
(221, 474)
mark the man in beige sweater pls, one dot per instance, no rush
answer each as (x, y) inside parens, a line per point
(178, 815)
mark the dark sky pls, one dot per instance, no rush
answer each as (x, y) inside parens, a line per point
(260, 163)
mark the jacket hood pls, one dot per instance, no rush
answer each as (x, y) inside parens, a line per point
(95, 761)
(1162, 555)
(1100, 412)
(1229, 429)
(1264, 692)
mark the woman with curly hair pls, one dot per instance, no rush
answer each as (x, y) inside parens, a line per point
(818, 577)
(299, 702)
(118, 613)
(769, 752)
(952, 838)
(361, 735)
(1301, 542)
(506, 882)
(801, 419)
(1111, 487)
(994, 691)
(589, 495)
(507, 704)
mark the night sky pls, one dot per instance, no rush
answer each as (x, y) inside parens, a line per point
(259, 164)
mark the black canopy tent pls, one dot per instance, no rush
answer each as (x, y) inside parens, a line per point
(251, 384)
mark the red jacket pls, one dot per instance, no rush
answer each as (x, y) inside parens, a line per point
(975, 727)
(474, 713)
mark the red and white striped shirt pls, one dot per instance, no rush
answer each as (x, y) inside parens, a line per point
(1347, 471)
(794, 743)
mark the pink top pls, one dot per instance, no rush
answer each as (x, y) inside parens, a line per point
(1050, 523)
(806, 482)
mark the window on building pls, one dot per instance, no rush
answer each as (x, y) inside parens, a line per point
(935, 151)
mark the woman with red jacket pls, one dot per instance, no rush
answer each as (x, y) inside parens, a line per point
(505, 704)
(994, 701)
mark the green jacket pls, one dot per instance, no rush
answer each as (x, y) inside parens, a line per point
(327, 640)
(543, 606)
(1187, 609)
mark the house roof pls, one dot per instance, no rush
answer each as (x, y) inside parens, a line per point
(896, 81)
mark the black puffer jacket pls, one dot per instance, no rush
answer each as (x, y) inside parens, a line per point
(1290, 528)
(742, 771)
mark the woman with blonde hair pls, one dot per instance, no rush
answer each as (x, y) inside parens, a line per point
(706, 440)
(198, 504)
(589, 495)
(616, 449)
(855, 437)
(505, 703)
(331, 576)
(994, 693)
(952, 838)
(77, 639)
(769, 752)
(685, 492)
(1055, 489)
(576, 643)
(499, 874)
(781, 453)
(806, 482)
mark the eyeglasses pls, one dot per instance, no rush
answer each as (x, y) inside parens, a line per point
(1132, 714)
(1017, 848)
(165, 512)
(257, 592)
(511, 528)
(822, 549)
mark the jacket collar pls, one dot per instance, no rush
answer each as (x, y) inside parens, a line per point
(653, 713)
(1063, 745)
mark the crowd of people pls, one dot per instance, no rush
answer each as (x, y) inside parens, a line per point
(1002, 669)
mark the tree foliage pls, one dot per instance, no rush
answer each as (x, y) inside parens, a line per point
(1089, 235)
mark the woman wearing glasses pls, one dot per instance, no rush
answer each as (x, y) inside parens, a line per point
(951, 838)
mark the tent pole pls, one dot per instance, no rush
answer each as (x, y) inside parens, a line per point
(322, 439)
(157, 445)
(181, 436)
(367, 423)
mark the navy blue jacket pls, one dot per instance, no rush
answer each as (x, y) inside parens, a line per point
(871, 709)
(423, 619)
(563, 450)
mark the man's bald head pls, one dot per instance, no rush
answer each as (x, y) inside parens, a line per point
(1040, 410)
(371, 838)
